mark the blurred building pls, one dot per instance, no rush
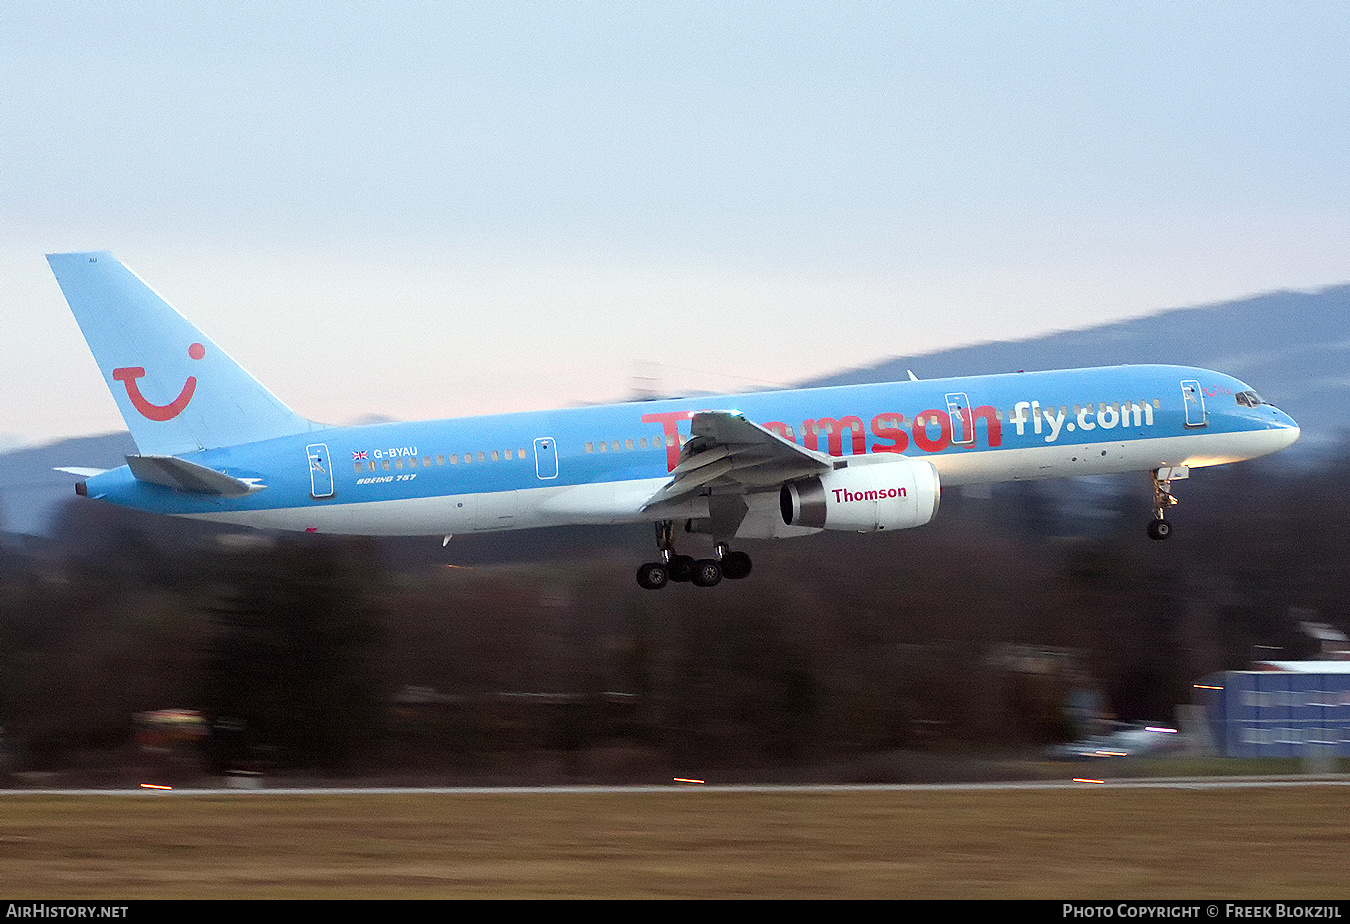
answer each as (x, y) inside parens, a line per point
(1279, 709)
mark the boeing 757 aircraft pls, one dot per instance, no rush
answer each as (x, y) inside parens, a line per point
(214, 444)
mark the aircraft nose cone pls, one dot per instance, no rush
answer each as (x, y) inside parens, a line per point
(1288, 429)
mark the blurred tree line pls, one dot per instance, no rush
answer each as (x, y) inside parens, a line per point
(537, 649)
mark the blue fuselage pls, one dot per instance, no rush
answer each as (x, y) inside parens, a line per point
(597, 464)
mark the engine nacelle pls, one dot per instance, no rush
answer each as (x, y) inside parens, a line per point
(864, 498)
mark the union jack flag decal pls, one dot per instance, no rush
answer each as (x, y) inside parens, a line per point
(358, 455)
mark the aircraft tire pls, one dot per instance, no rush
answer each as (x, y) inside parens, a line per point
(736, 565)
(652, 576)
(707, 573)
(681, 568)
(1159, 530)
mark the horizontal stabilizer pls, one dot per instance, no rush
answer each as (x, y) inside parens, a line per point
(82, 472)
(182, 475)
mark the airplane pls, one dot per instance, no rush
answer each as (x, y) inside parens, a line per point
(214, 444)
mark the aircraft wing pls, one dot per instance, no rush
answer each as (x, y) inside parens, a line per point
(729, 452)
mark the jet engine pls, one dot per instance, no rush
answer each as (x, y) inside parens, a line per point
(864, 498)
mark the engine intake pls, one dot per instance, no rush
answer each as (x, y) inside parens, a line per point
(864, 498)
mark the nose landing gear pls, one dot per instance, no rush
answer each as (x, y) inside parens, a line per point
(1160, 529)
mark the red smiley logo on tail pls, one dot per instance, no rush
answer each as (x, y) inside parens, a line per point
(161, 412)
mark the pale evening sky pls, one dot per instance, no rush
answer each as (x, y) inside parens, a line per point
(438, 209)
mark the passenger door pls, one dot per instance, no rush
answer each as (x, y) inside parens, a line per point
(1194, 399)
(963, 419)
(320, 471)
(545, 458)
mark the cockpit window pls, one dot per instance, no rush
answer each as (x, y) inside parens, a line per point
(1249, 399)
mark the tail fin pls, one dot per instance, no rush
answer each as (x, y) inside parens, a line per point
(178, 392)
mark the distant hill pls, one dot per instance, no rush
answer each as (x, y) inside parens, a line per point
(1292, 347)
(31, 490)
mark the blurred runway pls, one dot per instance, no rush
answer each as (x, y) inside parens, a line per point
(1076, 783)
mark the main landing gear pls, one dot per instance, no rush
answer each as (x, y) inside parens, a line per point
(1160, 529)
(702, 572)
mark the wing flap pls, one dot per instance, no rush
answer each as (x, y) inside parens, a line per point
(682, 485)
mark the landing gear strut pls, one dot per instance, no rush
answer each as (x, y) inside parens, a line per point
(703, 572)
(1160, 529)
